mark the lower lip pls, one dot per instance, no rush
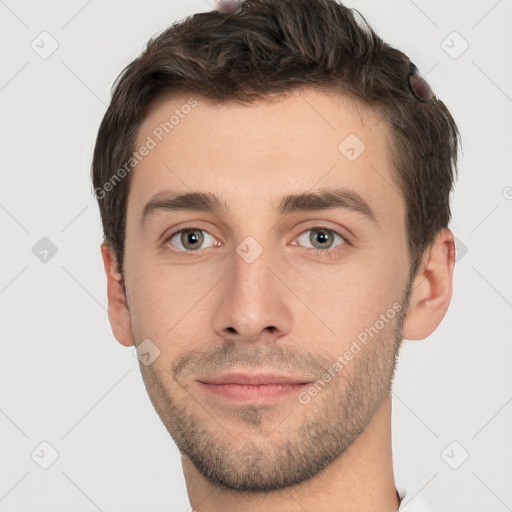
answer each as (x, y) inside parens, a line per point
(252, 393)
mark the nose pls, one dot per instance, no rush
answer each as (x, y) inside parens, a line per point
(253, 302)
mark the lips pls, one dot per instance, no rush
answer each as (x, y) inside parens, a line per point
(254, 379)
(263, 387)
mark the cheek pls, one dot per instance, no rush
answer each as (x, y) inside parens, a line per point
(167, 303)
(349, 297)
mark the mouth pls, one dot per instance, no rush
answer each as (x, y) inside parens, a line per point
(251, 387)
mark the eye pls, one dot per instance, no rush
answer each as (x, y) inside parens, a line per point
(322, 239)
(190, 239)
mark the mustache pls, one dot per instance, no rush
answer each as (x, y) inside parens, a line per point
(235, 355)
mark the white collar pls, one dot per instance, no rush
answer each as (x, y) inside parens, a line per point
(415, 501)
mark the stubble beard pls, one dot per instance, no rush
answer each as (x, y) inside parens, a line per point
(330, 423)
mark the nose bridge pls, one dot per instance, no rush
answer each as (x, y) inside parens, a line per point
(253, 302)
(252, 275)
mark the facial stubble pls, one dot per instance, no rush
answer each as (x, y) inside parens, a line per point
(330, 421)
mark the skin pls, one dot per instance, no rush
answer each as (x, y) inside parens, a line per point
(290, 309)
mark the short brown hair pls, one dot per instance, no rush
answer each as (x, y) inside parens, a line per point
(270, 48)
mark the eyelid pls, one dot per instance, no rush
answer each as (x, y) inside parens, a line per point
(339, 230)
(191, 225)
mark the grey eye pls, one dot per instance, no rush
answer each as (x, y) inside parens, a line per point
(325, 238)
(190, 239)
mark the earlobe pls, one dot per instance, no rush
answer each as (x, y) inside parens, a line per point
(431, 289)
(118, 313)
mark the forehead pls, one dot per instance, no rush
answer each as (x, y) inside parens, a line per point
(254, 154)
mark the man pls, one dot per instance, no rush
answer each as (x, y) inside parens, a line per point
(274, 181)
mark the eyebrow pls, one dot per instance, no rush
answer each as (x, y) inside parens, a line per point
(323, 199)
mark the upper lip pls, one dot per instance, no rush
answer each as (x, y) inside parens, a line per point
(254, 379)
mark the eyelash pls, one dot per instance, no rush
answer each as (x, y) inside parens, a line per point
(319, 252)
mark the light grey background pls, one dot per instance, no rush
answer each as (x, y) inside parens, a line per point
(65, 380)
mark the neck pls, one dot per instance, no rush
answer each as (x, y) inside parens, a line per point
(361, 478)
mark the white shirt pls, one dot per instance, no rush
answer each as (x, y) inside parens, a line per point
(415, 501)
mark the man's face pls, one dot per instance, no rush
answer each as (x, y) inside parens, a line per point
(266, 285)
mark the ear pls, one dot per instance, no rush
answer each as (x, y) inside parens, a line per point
(431, 289)
(118, 313)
